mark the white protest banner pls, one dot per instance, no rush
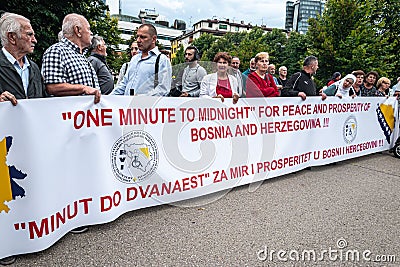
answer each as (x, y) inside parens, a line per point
(65, 162)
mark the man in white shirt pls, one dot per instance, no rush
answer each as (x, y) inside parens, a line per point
(149, 72)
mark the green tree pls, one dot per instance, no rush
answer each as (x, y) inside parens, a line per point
(107, 27)
(180, 56)
(252, 43)
(384, 16)
(46, 19)
(222, 44)
(355, 34)
(276, 41)
(203, 43)
(294, 52)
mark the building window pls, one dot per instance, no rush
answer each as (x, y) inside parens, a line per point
(223, 26)
(209, 25)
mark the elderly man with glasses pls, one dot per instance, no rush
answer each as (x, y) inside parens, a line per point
(20, 77)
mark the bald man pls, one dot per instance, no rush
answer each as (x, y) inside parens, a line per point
(65, 68)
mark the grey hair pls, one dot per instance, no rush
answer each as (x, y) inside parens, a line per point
(69, 22)
(10, 22)
(309, 60)
(281, 67)
(60, 35)
(96, 40)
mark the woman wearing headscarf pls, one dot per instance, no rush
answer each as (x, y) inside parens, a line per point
(220, 84)
(342, 88)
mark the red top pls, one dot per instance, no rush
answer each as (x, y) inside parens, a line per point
(330, 82)
(259, 87)
(224, 88)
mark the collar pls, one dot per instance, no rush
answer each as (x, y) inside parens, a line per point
(151, 52)
(13, 61)
(155, 51)
(306, 73)
(73, 46)
(193, 68)
(101, 57)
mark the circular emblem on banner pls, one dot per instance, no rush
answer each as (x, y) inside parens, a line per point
(134, 157)
(350, 129)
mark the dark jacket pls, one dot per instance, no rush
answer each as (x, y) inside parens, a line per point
(11, 81)
(104, 75)
(299, 82)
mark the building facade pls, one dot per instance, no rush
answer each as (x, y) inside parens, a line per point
(212, 26)
(128, 24)
(298, 12)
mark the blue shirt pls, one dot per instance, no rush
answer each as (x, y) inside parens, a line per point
(275, 80)
(22, 71)
(140, 76)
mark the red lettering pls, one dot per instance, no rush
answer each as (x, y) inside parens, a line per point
(130, 190)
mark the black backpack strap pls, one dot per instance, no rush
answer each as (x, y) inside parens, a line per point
(156, 70)
(126, 67)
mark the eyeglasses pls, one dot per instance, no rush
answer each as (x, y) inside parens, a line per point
(235, 63)
(188, 54)
(349, 80)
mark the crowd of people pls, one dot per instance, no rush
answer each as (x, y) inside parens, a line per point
(67, 71)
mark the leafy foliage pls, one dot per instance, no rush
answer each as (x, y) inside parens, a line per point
(46, 20)
(180, 56)
(350, 35)
(203, 43)
(355, 34)
(294, 53)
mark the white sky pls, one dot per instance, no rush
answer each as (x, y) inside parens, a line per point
(268, 12)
